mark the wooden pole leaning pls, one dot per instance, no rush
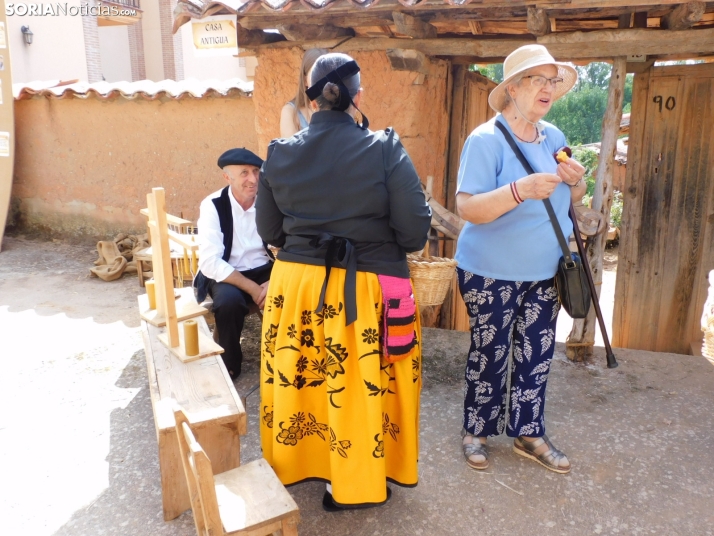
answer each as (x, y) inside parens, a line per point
(581, 340)
(184, 302)
(173, 338)
(161, 260)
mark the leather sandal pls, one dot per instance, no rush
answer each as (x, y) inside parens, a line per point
(472, 449)
(550, 459)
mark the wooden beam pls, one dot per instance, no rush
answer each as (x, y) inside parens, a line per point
(329, 44)
(581, 340)
(439, 47)
(566, 46)
(413, 26)
(617, 42)
(312, 32)
(538, 22)
(684, 16)
(638, 67)
(377, 15)
(475, 27)
(640, 20)
(625, 21)
(381, 14)
(249, 38)
(603, 4)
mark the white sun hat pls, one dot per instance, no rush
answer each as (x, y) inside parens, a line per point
(527, 57)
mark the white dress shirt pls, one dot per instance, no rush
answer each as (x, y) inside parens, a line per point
(247, 251)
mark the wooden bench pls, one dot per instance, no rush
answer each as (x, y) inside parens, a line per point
(195, 379)
(204, 389)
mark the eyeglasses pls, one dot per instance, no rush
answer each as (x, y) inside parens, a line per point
(540, 81)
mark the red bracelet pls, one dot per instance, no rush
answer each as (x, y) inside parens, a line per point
(514, 192)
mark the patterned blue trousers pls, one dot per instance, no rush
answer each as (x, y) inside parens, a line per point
(502, 313)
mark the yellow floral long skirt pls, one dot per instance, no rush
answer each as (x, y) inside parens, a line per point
(331, 408)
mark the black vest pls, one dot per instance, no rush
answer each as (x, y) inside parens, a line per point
(225, 219)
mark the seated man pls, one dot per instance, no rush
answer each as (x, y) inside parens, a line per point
(235, 264)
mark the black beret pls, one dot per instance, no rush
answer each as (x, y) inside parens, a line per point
(239, 157)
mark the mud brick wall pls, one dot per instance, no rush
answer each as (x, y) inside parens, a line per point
(84, 166)
(418, 112)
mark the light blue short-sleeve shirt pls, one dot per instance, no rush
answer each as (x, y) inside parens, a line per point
(521, 244)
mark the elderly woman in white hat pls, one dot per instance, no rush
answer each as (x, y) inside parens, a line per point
(508, 255)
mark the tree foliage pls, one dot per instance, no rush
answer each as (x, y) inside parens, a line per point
(579, 113)
(493, 71)
(589, 160)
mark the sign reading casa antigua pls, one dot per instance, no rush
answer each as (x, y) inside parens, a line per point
(215, 36)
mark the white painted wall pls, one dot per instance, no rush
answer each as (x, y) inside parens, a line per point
(116, 57)
(57, 51)
(220, 68)
(153, 49)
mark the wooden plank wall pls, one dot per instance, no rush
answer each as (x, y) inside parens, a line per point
(667, 244)
(469, 109)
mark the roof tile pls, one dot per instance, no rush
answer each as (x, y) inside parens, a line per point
(146, 89)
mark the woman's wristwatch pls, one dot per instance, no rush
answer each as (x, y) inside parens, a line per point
(577, 183)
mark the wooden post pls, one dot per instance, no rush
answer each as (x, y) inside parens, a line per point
(161, 262)
(581, 340)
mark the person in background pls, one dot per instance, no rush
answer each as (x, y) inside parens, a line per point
(341, 358)
(508, 255)
(296, 114)
(234, 264)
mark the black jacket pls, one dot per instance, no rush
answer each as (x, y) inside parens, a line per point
(338, 179)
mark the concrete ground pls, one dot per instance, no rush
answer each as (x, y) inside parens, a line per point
(79, 453)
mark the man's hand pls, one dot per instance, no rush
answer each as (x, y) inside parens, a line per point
(261, 296)
(257, 292)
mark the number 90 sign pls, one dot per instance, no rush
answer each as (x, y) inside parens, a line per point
(670, 103)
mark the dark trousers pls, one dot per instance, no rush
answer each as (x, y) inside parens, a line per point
(230, 307)
(505, 313)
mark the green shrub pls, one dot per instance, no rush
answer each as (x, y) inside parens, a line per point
(616, 210)
(589, 159)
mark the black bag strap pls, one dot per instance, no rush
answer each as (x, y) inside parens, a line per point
(567, 255)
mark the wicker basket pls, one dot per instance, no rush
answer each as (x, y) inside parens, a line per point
(432, 278)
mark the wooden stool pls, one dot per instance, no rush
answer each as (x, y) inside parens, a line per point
(248, 500)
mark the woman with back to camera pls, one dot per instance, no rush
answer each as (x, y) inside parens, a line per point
(295, 115)
(341, 361)
(508, 255)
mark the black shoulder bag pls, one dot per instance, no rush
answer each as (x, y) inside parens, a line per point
(570, 279)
